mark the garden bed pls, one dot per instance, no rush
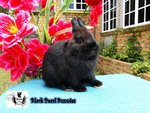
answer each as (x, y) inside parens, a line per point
(111, 66)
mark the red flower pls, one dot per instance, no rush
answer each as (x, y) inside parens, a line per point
(12, 30)
(36, 51)
(93, 2)
(0, 43)
(27, 5)
(32, 70)
(54, 29)
(96, 11)
(43, 4)
(14, 59)
(51, 21)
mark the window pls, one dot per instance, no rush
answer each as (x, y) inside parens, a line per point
(109, 15)
(77, 5)
(136, 12)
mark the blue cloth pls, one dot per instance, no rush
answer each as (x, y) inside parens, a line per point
(121, 93)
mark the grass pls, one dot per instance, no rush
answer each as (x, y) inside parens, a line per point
(5, 82)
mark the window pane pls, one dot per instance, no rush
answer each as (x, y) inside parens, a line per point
(79, 1)
(107, 16)
(147, 2)
(83, 1)
(141, 3)
(104, 17)
(111, 14)
(71, 6)
(105, 8)
(148, 13)
(106, 25)
(111, 24)
(111, 3)
(127, 20)
(115, 13)
(141, 16)
(78, 6)
(114, 23)
(127, 7)
(132, 6)
(83, 6)
(132, 17)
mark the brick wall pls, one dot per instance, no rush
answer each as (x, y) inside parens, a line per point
(121, 37)
(111, 66)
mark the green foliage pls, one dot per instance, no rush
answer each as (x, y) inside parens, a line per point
(97, 72)
(108, 50)
(121, 56)
(140, 67)
(148, 55)
(133, 49)
(2, 10)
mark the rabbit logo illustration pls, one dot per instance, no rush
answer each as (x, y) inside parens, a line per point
(17, 99)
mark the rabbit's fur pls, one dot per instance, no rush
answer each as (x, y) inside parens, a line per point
(70, 64)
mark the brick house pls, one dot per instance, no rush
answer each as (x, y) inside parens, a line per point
(119, 19)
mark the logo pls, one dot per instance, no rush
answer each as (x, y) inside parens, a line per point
(17, 99)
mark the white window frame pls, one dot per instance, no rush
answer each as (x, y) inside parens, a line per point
(75, 5)
(136, 15)
(109, 30)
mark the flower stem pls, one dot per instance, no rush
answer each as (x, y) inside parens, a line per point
(41, 39)
(22, 45)
(47, 12)
(84, 11)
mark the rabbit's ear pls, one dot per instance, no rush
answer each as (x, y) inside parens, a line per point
(81, 22)
(75, 24)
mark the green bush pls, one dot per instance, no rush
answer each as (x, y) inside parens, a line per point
(108, 50)
(140, 67)
(133, 49)
(121, 56)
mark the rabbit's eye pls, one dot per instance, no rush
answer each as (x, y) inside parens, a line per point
(79, 40)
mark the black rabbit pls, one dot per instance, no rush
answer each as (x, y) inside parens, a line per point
(70, 64)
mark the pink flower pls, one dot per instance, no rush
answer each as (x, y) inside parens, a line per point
(27, 5)
(61, 25)
(14, 59)
(12, 30)
(36, 52)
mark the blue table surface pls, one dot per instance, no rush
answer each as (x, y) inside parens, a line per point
(120, 93)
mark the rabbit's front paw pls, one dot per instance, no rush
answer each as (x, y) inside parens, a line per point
(96, 83)
(80, 88)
